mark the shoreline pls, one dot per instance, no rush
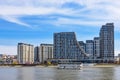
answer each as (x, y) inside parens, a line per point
(106, 65)
(54, 66)
(26, 65)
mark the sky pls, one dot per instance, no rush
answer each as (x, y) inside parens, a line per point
(35, 21)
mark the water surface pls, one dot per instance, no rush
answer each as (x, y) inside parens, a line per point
(46, 73)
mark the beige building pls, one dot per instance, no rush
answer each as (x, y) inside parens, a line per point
(46, 52)
(25, 53)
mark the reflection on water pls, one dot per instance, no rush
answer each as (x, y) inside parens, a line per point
(26, 73)
(37, 73)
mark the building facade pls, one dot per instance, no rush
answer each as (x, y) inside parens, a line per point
(25, 53)
(36, 54)
(96, 48)
(66, 46)
(46, 52)
(107, 42)
(90, 49)
(83, 46)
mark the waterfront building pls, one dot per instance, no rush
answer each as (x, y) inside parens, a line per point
(83, 46)
(66, 46)
(7, 59)
(25, 53)
(107, 42)
(46, 52)
(117, 59)
(1, 59)
(119, 55)
(0, 56)
(90, 49)
(36, 54)
(96, 53)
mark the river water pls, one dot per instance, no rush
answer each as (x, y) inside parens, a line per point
(47, 73)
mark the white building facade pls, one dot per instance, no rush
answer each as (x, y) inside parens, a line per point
(45, 52)
(25, 53)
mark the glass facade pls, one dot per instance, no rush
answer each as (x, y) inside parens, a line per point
(83, 46)
(96, 47)
(107, 42)
(90, 48)
(66, 46)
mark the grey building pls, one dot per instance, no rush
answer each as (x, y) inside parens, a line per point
(90, 49)
(25, 53)
(107, 42)
(66, 46)
(96, 48)
(83, 46)
(46, 52)
(119, 55)
(36, 54)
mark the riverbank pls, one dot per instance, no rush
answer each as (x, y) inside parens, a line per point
(106, 65)
(26, 65)
(39, 65)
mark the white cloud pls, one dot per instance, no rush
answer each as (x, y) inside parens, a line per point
(93, 12)
(11, 48)
(14, 20)
(98, 10)
(8, 49)
(65, 21)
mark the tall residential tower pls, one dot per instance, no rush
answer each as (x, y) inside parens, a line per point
(25, 53)
(66, 46)
(90, 49)
(46, 52)
(96, 48)
(107, 42)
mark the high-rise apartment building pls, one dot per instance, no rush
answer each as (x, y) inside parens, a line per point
(66, 46)
(90, 49)
(36, 54)
(25, 53)
(46, 52)
(83, 46)
(107, 42)
(96, 48)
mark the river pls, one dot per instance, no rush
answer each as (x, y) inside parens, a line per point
(51, 73)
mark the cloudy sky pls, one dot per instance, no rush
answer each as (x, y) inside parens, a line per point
(35, 21)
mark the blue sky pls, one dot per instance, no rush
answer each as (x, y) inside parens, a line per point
(35, 21)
